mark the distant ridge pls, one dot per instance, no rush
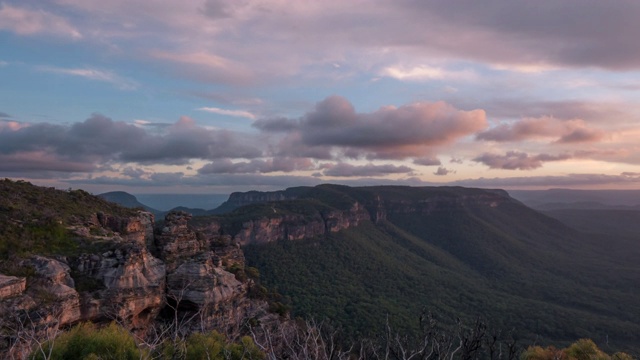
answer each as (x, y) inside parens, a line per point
(554, 199)
(129, 201)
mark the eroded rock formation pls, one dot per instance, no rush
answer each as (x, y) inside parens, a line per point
(121, 280)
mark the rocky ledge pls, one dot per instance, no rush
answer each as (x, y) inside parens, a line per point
(133, 276)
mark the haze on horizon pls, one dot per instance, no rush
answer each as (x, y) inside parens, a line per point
(214, 96)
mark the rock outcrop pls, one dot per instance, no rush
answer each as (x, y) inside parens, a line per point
(53, 281)
(120, 279)
(126, 283)
(138, 228)
(11, 286)
(198, 283)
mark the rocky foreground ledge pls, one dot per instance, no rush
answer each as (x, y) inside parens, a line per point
(132, 275)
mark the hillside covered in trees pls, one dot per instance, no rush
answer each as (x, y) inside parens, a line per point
(467, 271)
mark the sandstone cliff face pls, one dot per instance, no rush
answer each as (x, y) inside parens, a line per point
(296, 227)
(53, 278)
(176, 240)
(138, 229)
(238, 199)
(376, 209)
(438, 203)
(126, 283)
(199, 285)
(123, 281)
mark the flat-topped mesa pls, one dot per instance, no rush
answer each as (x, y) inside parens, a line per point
(443, 202)
(239, 199)
(252, 197)
(328, 208)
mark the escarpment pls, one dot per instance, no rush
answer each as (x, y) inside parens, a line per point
(295, 215)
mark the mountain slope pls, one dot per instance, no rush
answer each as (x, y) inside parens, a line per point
(461, 253)
(129, 201)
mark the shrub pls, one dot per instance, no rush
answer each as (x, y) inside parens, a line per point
(86, 341)
(211, 346)
(583, 349)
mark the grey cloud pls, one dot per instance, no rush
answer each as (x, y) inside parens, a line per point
(494, 31)
(442, 171)
(515, 160)
(571, 180)
(228, 99)
(503, 31)
(236, 181)
(590, 111)
(40, 162)
(226, 166)
(565, 131)
(220, 9)
(276, 125)
(100, 139)
(582, 135)
(390, 132)
(133, 172)
(427, 161)
(348, 170)
(4, 115)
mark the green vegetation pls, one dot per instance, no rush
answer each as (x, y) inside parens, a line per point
(87, 341)
(583, 349)
(211, 346)
(513, 266)
(35, 219)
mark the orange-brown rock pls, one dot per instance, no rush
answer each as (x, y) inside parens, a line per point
(11, 286)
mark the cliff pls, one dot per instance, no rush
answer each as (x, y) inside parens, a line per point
(307, 212)
(107, 266)
(240, 199)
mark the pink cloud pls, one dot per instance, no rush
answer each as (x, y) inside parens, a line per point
(515, 160)
(41, 161)
(25, 21)
(348, 170)
(389, 133)
(11, 125)
(564, 131)
(226, 166)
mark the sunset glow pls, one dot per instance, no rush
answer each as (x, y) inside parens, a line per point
(214, 96)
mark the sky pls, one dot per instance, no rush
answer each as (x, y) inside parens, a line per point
(214, 96)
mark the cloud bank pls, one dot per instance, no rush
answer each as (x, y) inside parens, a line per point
(334, 128)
